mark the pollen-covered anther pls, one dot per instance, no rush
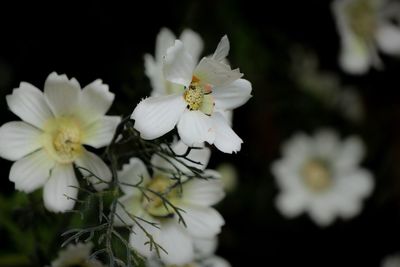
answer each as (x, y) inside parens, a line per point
(63, 139)
(316, 176)
(194, 96)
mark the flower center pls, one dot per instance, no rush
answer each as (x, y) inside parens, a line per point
(362, 19)
(159, 190)
(198, 97)
(62, 139)
(316, 176)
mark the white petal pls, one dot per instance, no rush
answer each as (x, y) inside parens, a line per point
(356, 184)
(290, 203)
(178, 65)
(297, 149)
(165, 39)
(62, 95)
(204, 247)
(216, 73)
(131, 204)
(202, 222)
(323, 212)
(226, 140)
(199, 155)
(203, 192)
(326, 144)
(154, 72)
(95, 100)
(193, 43)
(222, 50)
(28, 103)
(355, 56)
(100, 132)
(131, 174)
(96, 171)
(61, 189)
(388, 38)
(195, 127)
(216, 261)
(18, 139)
(139, 240)
(177, 242)
(350, 154)
(156, 116)
(232, 95)
(31, 172)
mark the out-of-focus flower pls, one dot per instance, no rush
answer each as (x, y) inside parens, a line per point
(195, 197)
(321, 175)
(154, 65)
(364, 27)
(206, 90)
(56, 124)
(391, 261)
(325, 86)
(204, 256)
(229, 176)
(76, 256)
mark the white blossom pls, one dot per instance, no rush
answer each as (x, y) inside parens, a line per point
(206, 91)
(321, 175)
(364, 27)
(195, 198)
(49, 141)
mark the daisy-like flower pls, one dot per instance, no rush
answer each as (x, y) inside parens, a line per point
(206, 90)
(56, 124)
(391, 261)
(76, 256)
(364, 27)
(321, 175)
(195, 197)
(154, 65)
(204, 256)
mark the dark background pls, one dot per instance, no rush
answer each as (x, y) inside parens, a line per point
(93, 40)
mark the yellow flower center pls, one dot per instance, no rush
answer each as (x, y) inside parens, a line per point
(362, 19)
(159, 190)
(317, 176)
(198, 96)
(62, 139)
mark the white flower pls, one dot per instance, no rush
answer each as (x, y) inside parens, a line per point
(56, 124)
(196, 198)
(204, 256)
(154, 65)
(76, 256)
(391, 261)
(322, 176)
(364, 26)
(206, 90)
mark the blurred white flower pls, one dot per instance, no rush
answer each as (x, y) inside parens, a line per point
(76, 256)
(364, 27)
(154, 65)
(321, 175)
(195, 198)
(206, 91)
(391, 261)
(56, 124)
(229, 176)
(204, 256)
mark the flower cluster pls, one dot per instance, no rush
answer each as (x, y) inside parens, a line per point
(166, 200)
